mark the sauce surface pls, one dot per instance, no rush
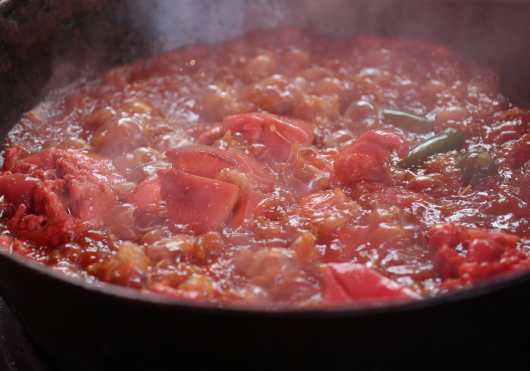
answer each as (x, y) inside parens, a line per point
(277, 169)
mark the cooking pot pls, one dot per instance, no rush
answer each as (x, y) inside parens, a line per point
(44, 45)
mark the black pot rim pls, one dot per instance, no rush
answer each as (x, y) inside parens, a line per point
(134, 296)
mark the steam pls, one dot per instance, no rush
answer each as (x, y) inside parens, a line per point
(174, 23)
(171, 24)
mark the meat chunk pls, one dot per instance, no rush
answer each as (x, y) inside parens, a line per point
(246, 206)
(147, 193)
(146, 200)
(89, 183)
(277, 133)
(201, 203)
(208, 162)
(48, 224)
(230, 167)
(88, 200)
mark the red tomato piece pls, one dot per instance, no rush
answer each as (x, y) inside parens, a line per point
(42, 160)
(15, 245)
(513, 124)
(12, 156)
(17, 188)
(362, 284)
(47, 202)
(276, 132)
(484, 251)
(481, 253)
(351, 167)
(447, 261)
(445, 234)
(201, 203)
(379, 144)
(365, 159)
(506, 239)
(334, 293)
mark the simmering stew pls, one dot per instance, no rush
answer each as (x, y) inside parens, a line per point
(277, 169)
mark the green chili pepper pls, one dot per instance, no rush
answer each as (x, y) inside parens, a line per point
(408, 121)
(446, 141)
(476, 165)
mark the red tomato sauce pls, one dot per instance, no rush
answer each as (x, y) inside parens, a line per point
(269, 171)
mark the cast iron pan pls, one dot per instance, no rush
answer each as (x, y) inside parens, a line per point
(76, 326)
